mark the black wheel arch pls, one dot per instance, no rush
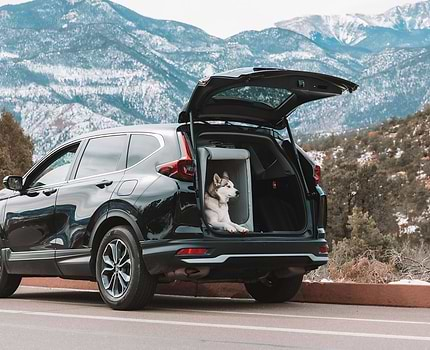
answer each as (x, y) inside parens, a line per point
(115, 217)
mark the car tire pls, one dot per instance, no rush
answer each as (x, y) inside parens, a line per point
(275, 290)
(123, 280)
(8, 283)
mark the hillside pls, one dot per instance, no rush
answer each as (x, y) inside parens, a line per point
(384, 171)
(72, 66)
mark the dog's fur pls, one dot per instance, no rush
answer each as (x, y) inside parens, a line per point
(216, 204)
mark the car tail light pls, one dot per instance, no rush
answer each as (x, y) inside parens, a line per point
(324, 249)
(181, 169)
(317, 174)
(192, 251)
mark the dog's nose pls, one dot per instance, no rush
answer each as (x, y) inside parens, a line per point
(237, 193)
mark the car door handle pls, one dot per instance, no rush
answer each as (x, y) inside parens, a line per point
(104, 183)
(49, 192)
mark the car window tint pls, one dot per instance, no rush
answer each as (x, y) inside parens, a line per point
(272, 97)
(141, 146)
(56, 170)
(101, 155)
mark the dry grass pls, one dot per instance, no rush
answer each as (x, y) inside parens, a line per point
(411, 261)
(363, 270)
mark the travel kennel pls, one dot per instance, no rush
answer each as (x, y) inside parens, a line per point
(275, 202)
(236, 162)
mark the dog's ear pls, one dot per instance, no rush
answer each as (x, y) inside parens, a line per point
(225, 175)
(217, 179)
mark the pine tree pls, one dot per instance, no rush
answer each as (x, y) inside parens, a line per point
(365, 235)
(16, 148)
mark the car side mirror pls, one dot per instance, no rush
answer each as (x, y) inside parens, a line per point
(14, 183)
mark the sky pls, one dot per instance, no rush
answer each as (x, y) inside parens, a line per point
(224, 18)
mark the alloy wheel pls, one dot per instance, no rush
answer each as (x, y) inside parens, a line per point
(116, 268)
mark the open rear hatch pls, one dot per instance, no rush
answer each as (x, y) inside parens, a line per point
(259, 96)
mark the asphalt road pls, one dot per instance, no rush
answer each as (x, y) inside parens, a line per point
(39, 318)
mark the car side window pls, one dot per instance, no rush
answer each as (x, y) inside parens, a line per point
(141, 146)
(102, 155)
(56, 170)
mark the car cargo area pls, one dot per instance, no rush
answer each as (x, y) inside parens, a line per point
(271, 197)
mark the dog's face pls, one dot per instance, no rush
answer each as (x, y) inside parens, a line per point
(222, 188)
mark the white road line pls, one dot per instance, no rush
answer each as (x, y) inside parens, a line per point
(240, 313)
(234, 312)
(218, 325)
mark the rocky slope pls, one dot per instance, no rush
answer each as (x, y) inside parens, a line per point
(384, 171)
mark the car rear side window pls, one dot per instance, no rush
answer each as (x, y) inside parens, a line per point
(141, 146)
(102, 155)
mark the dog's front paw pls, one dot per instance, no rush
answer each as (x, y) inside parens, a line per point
(230, 229)
(243, 230)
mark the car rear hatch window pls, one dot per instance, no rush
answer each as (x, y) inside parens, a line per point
(259, 96)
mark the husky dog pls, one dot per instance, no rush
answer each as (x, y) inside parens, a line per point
(216, 204)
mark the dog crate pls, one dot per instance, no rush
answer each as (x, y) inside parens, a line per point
(236, 162)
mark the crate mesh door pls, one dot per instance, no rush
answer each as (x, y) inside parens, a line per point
(236, 162)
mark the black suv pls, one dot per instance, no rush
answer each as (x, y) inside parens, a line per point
(125, 206)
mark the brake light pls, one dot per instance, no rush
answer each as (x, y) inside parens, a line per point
(317, 174)
(324, 249)
(192, 251)
(181, 169)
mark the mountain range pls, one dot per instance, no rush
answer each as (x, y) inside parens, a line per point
(401, 26)
(71, 66)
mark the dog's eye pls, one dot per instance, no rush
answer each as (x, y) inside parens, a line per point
(229, 186)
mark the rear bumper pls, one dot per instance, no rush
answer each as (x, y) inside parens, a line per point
(235, 258)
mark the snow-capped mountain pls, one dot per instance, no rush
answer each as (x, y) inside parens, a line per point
(405, 26)
(71, 66)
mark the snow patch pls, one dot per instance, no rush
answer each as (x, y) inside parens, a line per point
(411, 229)
(401, 219)
(365, 158)
(337, 151)
(421, 175)
(71, 16)
(399, 153)
(80, 75)
(4, 14)
(403, 223)
(411, 282)
(6, 55)
(400, 174)
(317, 157)
(156, 42)
(297, 55)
